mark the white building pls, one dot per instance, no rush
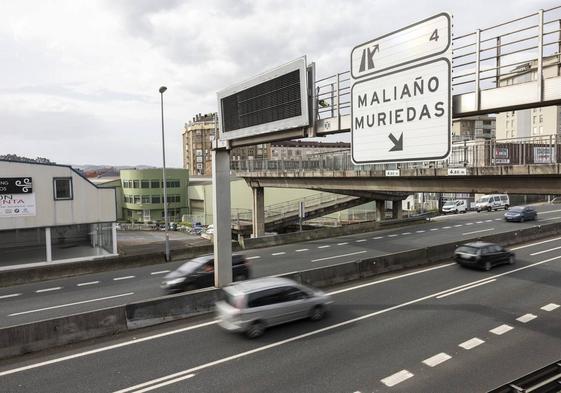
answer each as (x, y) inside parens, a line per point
(50, 212)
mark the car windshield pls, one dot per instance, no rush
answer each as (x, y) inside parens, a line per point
(450, 203)
(484, 199)
(468, 250)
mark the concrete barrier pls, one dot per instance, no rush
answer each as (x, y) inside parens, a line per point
(36, 336)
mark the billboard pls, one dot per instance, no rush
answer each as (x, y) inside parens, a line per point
(273, 101)
(16, 197)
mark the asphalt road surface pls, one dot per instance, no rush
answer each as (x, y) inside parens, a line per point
(438, 329)
(50, 299)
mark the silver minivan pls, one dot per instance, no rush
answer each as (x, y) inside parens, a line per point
(252, 306)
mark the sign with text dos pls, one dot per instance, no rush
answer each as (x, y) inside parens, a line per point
(422, 40)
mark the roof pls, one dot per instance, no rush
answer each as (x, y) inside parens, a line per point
(479, 244)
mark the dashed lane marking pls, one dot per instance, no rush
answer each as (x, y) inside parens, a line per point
(488, 220)
(167, 271)
(482, 230)
(396, 378)
(479, 222)
(10, 295)
(406, 233)
(303, 249)
(498, 219)
(469, 223)
(83, 284)
(326, 246)
(279, 253)
(446, 227)
(123, 278)
(499, 330)
(377, 237)
(437, 359)
(458, 225)
(434, 229)
(471, 343)
(254, 257)
(48, 289)
(419, 231)
(526, 318)
(392, 235)
(360, 240)
(342, 244)
(550, 307)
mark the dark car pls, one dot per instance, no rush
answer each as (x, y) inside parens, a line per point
(483, 255)
(521, 213)
(199, 273)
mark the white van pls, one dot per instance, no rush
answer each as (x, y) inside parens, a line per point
(492, 202)
(455, 206)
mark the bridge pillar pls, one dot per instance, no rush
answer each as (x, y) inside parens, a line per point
(380, 210)
(397, 210)
(258, 211)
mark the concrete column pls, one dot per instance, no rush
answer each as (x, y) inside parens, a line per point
(114, 235)
(258, 211)
(221, 210)
(397, 210)
(48, 244)
(380, 210)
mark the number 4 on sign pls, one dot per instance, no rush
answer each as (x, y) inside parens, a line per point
(434, 35)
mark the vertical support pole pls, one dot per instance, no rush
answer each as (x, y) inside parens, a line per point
(48, 244)
(221, 217)
(477, 69)
(380, 210)
(258, 211)
(397, 210)
(540, 56)
(332, 100)
(338, 101)
(551, 151)
(498, 62)
(114, 236)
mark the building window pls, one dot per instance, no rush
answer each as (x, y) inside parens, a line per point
(155, 183)
(144, 184)
(173, 183)
(155, 199)
(137, 199)
(62, 188)
(135, 184)
(541, 118)
(145, 198)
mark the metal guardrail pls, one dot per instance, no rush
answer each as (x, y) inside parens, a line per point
(545, 380)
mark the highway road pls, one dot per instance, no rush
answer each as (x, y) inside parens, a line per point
(49, 299)
(438, 329)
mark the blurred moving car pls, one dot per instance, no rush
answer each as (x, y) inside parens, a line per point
(254, 305)
(199, 273)
(455, 206)
(483, 255)
(521, 213)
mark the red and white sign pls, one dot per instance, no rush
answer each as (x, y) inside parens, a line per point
(17, 205)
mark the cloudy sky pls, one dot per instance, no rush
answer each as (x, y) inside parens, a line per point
(79, 79)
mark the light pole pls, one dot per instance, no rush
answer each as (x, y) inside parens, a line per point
(166, 218)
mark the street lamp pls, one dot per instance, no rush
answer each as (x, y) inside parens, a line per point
(166, 218)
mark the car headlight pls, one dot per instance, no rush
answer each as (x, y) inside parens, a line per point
(175, 281)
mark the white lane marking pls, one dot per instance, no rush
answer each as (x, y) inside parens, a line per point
(148, 338)
(394, 235)
(254, 257)
(338, 256)
(479, 222)
(123, 278)
(437, 359)
(406, 233)
(48, 289)
(396, 378)
(10, 295)
(526, 318)
(482, 230)
(550, 307)
(499, 330)
(544, 251)
(360, 240)
(419, 231)
(303, 249)
(71, 304)
(446, 227)
(434, 229)
(498, 219)
(458, 225)
(279, 253)
(551, 211)
(469, 223)
(326, 246)
(342, 244)
(165, 383)
(488, 220)
(550, 218)
(167, 271)
(536, 244)
(82, 284)
(471, 343)
(465, 289)
(377, 237)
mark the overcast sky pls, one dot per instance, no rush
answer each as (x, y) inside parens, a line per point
(79, 79)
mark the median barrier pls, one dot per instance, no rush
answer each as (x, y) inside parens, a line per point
(330, 275)
(36, 336)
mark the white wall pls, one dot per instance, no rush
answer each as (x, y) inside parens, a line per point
(89, 204)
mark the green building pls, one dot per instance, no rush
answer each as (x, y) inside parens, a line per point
(143, 194)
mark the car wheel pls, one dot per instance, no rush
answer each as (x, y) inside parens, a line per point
(487, 266)
(489, 209)
(511, 260)
(317, 313)
(255, 330)
(506, 207)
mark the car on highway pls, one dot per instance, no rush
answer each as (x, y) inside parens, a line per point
(492, 202)
(199, 273)
(454, 206)
(252, 306)
(483, 255)
(521, 213)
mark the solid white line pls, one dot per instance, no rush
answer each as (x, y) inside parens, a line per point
(10, 295)
(471, 343)
(279, 253)
(87, 283)
(419, 231)
(437, 359)
(499, 330)
(396, 378)
(544, 251)
(167, 271)
(550, 218)
(303, 249)
(526, 318)
(360, 240)
(465, 289)
(377, 237)
(165, 383)
(342, 244)
(394, 235)
(254, 257)
(550, 307)
(338, 256)
(483, 230)
(48, 289)
(536, 244)
(123, 278)
(326, 246)
(69, 304)
(551, 211)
